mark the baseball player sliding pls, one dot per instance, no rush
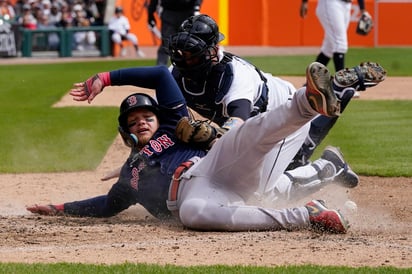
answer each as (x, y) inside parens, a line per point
(207, 192)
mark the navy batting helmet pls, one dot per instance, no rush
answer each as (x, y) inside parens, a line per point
(133, 102)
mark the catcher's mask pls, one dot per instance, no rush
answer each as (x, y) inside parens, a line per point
(191, 55)
(131, 103)
(204, 27)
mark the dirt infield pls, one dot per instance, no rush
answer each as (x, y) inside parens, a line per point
(380, 233)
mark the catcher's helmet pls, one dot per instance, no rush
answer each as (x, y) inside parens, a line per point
(190, 55)
(204, 27)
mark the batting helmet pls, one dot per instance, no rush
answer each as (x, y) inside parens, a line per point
(204, 27)
(131, 103)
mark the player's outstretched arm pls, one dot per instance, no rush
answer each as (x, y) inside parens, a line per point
(89, 89)
(112, 174)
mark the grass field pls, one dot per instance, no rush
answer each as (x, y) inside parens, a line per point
(39, 138)
(169, 269)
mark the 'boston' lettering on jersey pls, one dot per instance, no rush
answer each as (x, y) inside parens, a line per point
(134, 182)
(158, 144)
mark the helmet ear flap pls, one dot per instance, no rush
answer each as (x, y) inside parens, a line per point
(129, 139)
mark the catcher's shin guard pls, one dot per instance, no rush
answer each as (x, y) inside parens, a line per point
(306, 181)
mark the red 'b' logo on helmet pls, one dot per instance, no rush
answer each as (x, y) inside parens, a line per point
(132, 101)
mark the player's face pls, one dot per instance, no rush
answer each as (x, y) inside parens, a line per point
(188, 60)
(195, 60)
(143, 123)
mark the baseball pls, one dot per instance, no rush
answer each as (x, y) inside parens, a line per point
(351, 206)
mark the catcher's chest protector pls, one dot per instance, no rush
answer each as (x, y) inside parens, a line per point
(206, 97)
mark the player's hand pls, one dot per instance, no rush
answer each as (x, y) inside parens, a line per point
(79, 93)
(50, 210)
(303, 9)
(112, 174)
(89, 89)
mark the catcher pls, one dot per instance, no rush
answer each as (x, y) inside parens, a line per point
(228, 90)
(206, 192)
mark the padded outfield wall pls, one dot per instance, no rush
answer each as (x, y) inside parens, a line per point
(277, 22)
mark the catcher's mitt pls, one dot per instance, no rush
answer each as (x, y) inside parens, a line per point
(365, 24)
(196, 132)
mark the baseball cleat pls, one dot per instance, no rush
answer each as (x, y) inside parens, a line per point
(344, 175)
(325, 220)
(367, 74)
(319, 90)
(50, 210)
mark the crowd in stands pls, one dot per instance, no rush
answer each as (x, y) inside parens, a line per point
(51, 14)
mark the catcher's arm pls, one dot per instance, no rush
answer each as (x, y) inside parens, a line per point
(231, 123)
(89, 89)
